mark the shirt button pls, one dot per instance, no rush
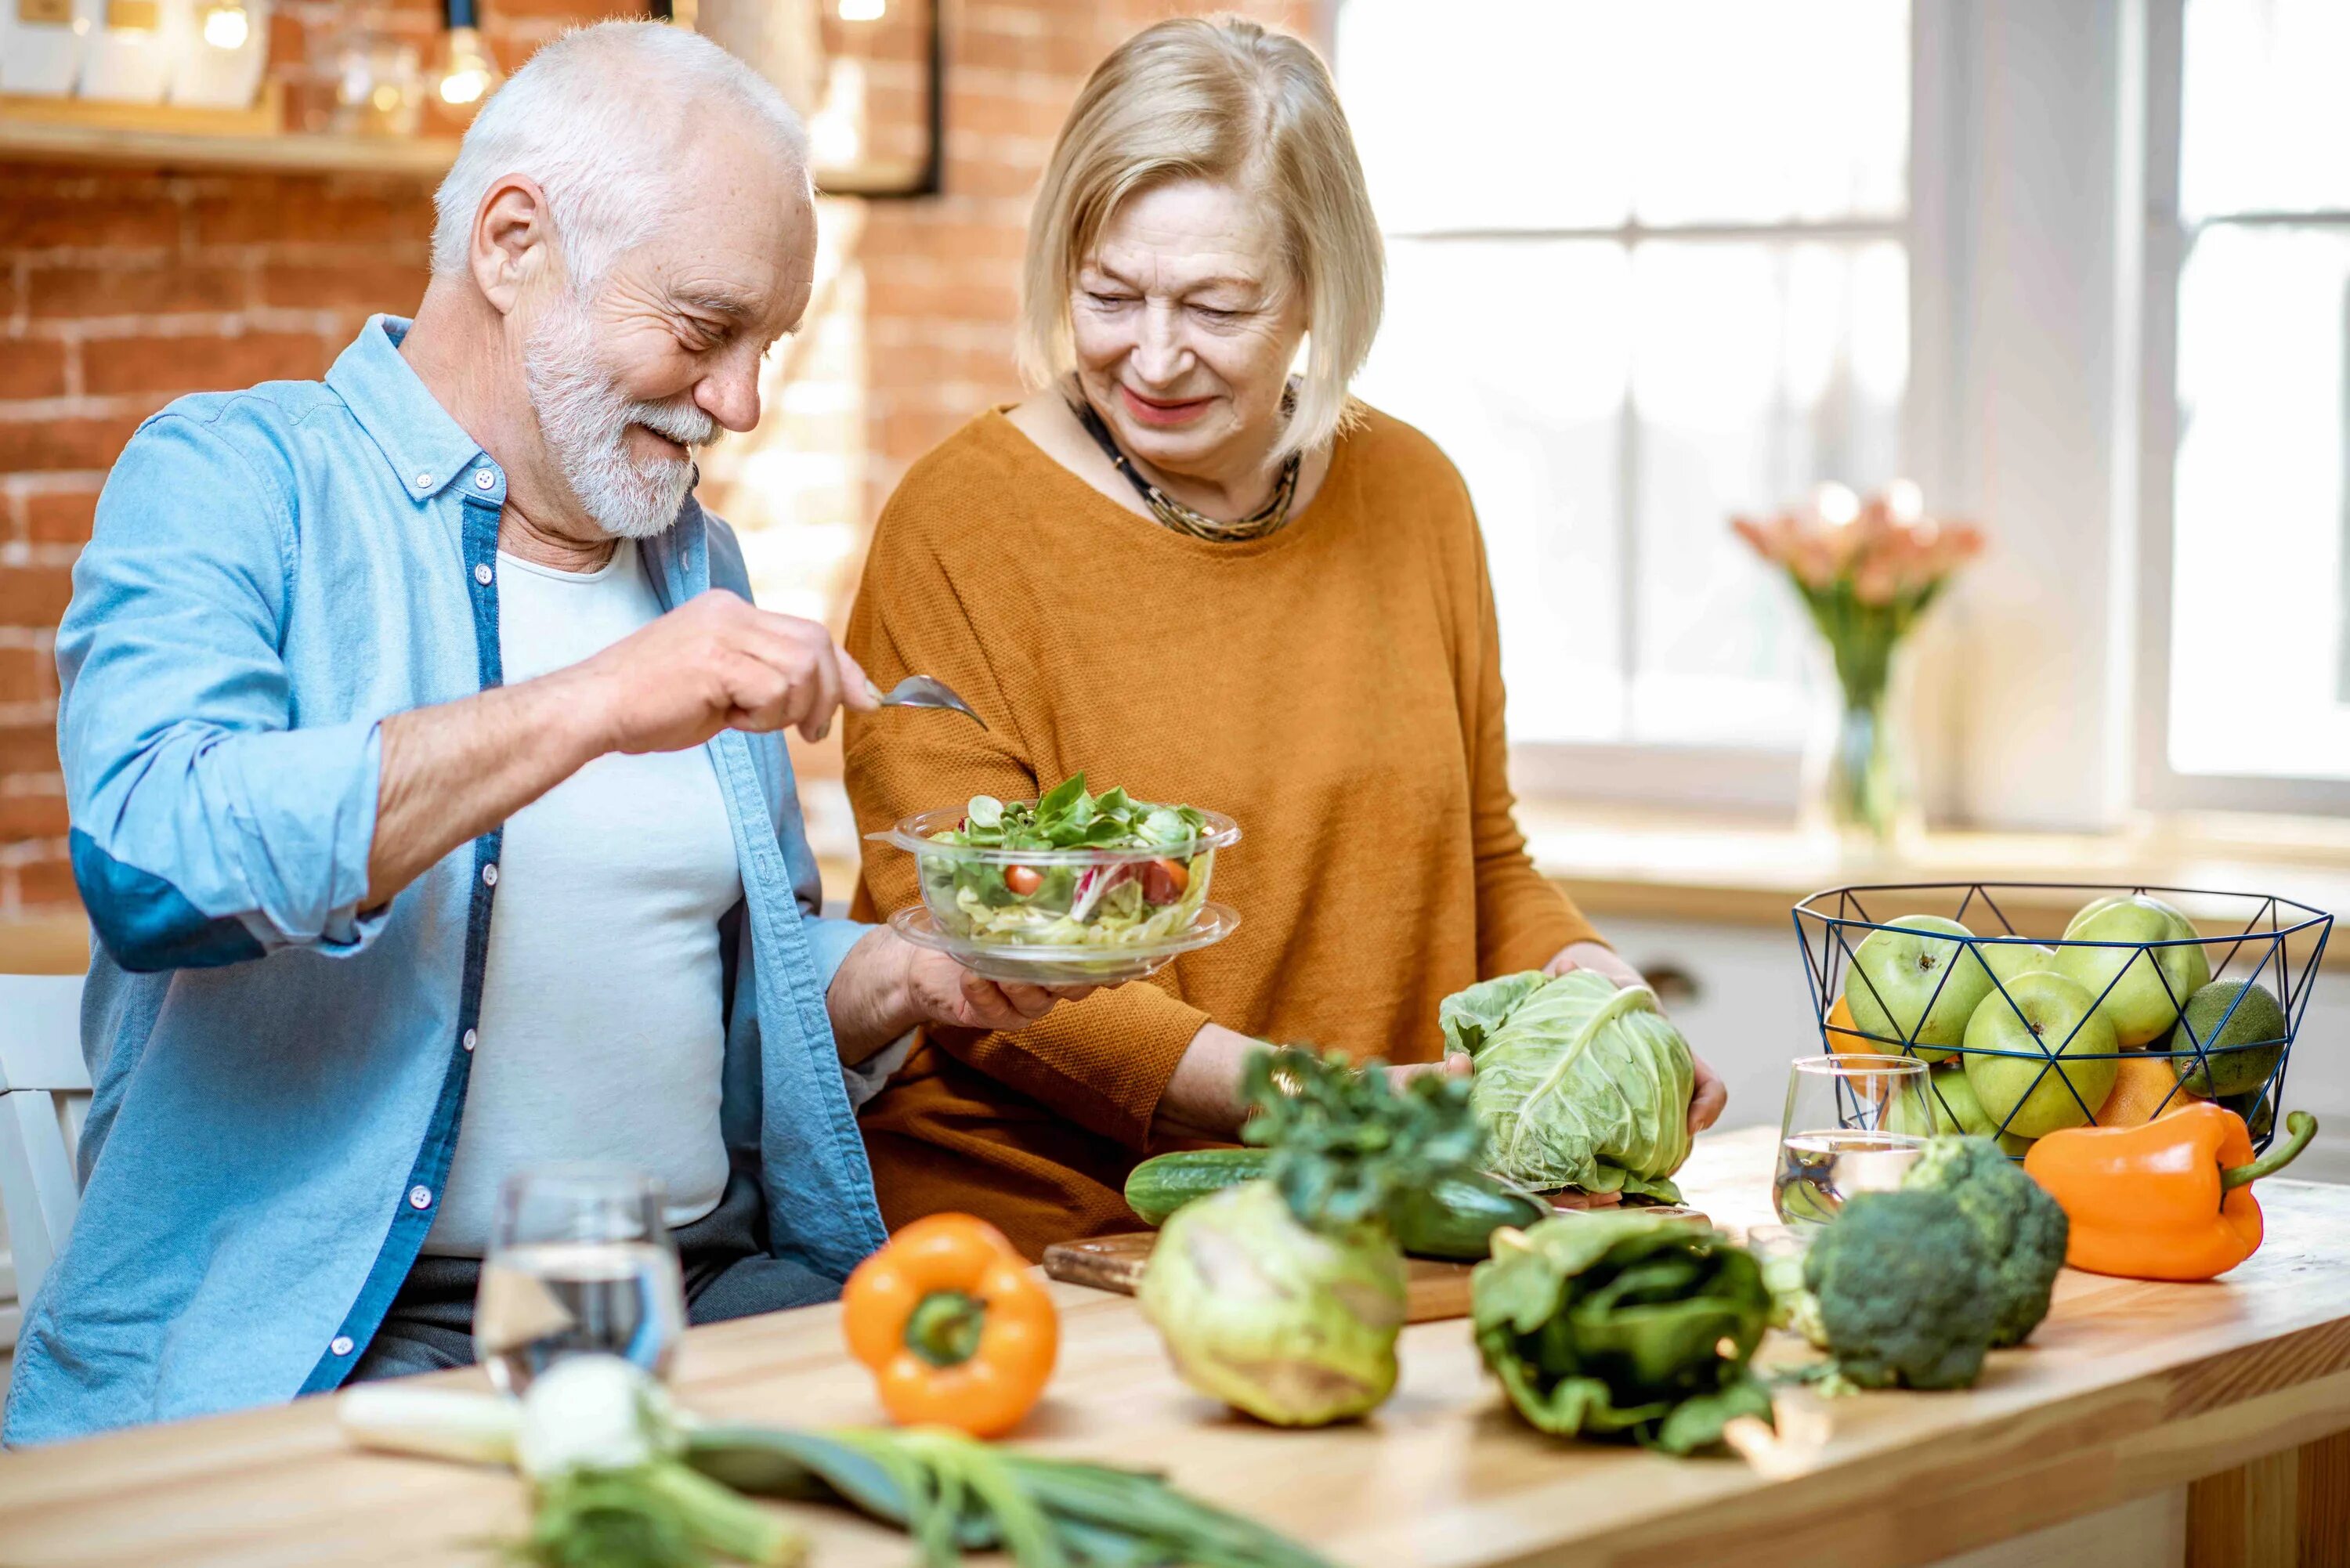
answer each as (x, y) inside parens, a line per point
(419, 1197)
(481, 574)
(423, 482)
(340, 1344)
(489, 876)
(470, 1036)
(483, 478)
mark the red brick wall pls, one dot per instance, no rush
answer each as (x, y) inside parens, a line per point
(120, 289)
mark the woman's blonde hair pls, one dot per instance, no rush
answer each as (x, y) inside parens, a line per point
(1224, 100)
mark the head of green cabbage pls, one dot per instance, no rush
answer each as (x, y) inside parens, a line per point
(1294, 1326)
(1580, 1083)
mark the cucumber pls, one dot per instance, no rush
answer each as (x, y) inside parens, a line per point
(1454, 1218)
(1164, 1183)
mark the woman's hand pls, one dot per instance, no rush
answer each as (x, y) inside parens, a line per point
(1452, 1065)
(1202, 1101)
(887, 985)
(1595, 958)
(1707, 1102)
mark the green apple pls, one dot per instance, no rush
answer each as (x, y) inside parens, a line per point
(2009, 959)
(2154, 983)
(1912, 987)
(1951, 1107)
(2097, 907)
(2042, 1057)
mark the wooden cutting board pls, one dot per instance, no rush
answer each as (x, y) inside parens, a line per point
(1434, 1288)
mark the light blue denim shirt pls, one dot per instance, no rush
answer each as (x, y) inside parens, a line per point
(278, 1075)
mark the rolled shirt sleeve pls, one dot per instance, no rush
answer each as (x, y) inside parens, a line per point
(828, 941)
(207, 828)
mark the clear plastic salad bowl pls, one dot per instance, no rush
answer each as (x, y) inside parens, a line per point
(1084, 915)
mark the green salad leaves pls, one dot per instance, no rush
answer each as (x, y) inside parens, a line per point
(1152, 894)
(1624, 1326)
(1069, 817)
(1580, 1083)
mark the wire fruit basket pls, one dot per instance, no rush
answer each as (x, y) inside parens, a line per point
(2148, 997)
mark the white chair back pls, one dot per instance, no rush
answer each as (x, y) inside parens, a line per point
(44, 1096)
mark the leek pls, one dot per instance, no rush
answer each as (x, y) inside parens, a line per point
(621, 1479)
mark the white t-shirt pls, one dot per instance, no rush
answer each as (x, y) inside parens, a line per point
(602, 1034)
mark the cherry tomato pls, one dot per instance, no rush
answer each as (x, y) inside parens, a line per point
(1163, 881)
(1023, 879)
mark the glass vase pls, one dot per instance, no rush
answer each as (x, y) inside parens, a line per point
(1859, 782)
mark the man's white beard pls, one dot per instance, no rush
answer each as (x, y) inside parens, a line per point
(584, 417)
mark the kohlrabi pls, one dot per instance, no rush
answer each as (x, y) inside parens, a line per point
(1284, 1296)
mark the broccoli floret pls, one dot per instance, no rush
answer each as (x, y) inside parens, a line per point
(2024, 1229)
(1905, 1291)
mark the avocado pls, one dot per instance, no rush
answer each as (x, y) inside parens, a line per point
(2258, 1110)
(2239, 1055)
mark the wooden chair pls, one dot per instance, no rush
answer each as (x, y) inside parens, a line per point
(44, 1096)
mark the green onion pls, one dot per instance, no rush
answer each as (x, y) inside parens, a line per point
(954, 1494)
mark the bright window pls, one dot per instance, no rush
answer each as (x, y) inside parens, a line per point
(1648, 269)
(2259, 650)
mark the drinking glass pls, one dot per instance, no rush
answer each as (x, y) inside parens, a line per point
(1852, 1125)
(579, 1260)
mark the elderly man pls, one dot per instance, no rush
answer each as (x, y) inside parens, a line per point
(428, 795)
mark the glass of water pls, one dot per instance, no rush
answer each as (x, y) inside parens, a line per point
(1852, 1125)
(579, 1260)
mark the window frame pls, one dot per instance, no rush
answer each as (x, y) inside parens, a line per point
(2169, 237)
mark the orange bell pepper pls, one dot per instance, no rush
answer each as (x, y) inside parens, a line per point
(2168, 1199)
(954, 1328)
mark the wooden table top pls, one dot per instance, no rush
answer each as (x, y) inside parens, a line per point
(2127, 1388)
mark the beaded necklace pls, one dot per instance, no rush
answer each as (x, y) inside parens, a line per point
(1266, 520)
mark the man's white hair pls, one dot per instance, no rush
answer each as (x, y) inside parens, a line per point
(599, 118)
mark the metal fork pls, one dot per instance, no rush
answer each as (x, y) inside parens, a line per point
(922, 692)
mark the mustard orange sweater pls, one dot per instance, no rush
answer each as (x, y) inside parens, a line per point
(1336, 688)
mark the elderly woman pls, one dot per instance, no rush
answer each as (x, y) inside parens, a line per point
(1183, 571)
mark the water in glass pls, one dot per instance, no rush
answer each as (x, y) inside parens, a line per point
(1845, 1130)
(579, 1262)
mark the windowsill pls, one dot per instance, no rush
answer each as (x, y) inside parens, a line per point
(1726, 868)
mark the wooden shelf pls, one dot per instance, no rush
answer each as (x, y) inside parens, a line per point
(72, 130)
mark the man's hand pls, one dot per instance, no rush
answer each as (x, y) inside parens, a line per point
(1707, 1103)
(887, 985)
(717, 662)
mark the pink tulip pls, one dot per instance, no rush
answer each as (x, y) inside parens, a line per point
(1885, 552)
